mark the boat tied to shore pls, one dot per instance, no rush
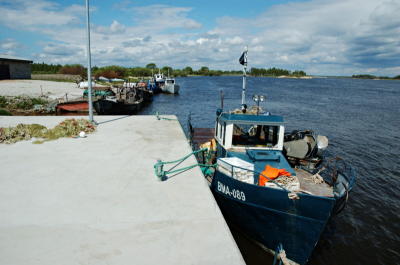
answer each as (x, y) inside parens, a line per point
(170, 86)
(126, 101)
(161, 83)
(279, 189)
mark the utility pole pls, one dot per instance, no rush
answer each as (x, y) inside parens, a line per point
(89, 64)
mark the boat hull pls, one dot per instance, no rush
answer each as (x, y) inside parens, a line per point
(73, 106)
(269, 217)
(170, 88)
(107, 107)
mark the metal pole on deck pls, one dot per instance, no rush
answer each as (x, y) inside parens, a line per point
(89, 63)
(244, 63)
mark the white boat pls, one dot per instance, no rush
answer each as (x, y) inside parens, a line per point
(170, 86)
(159, 78)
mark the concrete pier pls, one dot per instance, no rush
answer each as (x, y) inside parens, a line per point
(96, 200)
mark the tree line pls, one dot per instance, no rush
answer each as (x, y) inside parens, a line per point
(366, 76)
(150, 69)
(275, 72)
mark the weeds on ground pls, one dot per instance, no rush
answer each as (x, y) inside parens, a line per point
(21, 103)
(4, 112)
(3, 102)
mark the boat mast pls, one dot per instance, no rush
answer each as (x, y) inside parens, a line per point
(89, 64)
(243, 61)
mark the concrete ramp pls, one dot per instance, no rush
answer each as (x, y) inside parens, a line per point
(96, 200)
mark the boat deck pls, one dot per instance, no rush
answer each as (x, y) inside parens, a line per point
(202, 135)
(309, 186)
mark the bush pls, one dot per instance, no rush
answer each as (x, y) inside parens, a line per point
(112, 71)
(4, 112)
(73, 69)
(29, 103)
(3, 102)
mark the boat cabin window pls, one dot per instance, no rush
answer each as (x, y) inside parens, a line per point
(170, 81)
(220, 131)
(255, 135)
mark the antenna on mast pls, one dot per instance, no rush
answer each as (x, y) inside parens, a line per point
(243, 61)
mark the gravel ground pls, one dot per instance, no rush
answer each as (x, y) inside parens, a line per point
(35, 88)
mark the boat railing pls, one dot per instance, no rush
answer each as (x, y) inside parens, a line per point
(255, 173)
(333, 167)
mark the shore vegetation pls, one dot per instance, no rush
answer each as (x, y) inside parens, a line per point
(367, 76)
(115, 71)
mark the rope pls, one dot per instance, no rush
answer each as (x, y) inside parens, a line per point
(163, 118)
(163, 174)
(280, 257)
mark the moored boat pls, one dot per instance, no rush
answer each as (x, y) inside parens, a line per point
(108, 106)
(280, 190)
(72, 106)
(127, 101)
(170, 86)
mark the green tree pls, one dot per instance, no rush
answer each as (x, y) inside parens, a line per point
(204, 70)
(167, 69)
(151, 66)
(188, 70)
(299, 73)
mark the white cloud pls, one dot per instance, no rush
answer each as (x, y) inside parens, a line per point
(318, 36)
(114, 28)
(39, 13)
(160, 17)
(9, 44)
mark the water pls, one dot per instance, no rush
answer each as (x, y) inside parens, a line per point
(362, 121)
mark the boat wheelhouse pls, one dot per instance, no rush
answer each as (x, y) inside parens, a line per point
(170, 86)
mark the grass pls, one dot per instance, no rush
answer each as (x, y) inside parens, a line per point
(4, 112)
(20, 103)
(3, 102)
(28, 103)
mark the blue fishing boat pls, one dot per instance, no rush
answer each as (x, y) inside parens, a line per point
(278, 188)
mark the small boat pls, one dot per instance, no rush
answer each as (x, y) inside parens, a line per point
(278, 189)
(170, 86)
(152, 86)
(110, 106)
(72, 106)
(127, 101)
(159, 80)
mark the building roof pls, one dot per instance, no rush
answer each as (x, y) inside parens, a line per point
(8, 57)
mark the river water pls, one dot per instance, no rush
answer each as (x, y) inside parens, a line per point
(361, 118)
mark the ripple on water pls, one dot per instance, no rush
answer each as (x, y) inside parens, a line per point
(361, 119)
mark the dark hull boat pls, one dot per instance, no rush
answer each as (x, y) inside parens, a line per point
(270, 217)
(280, 190)
(109, 107)
(127, 101)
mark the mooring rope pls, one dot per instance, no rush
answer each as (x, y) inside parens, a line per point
(163, 118)
(163, 174)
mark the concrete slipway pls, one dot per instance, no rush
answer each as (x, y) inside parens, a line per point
(96, 200)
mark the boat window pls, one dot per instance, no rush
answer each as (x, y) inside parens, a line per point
(220, 131)
(223, 135)
(255, 135)
(216, 129)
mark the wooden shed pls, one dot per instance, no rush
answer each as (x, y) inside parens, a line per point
(14, 68)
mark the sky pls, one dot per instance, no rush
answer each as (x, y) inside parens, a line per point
(321, 37)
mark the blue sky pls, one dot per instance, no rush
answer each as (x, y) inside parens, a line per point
(322, 37)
